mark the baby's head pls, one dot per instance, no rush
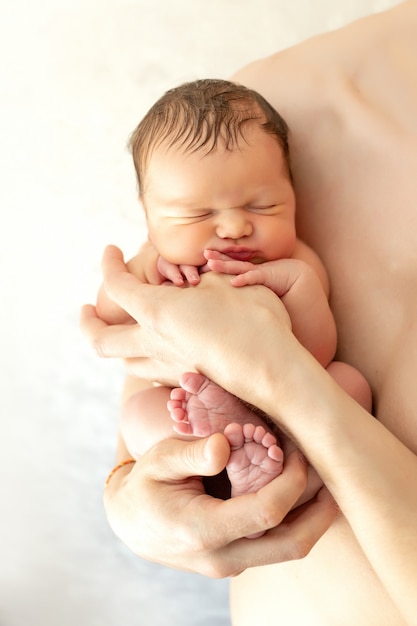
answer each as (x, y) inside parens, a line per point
(212, 164)
(200, 115)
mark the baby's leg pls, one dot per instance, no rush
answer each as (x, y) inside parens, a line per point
(201, 407)
(145, 420)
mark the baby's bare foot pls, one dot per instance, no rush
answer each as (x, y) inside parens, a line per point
(254, 461)
(200, 407)
(255, 457)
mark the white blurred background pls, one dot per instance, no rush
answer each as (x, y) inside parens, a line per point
(76, 77)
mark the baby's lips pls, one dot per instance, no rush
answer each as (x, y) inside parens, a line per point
(236, 253)
(239, 255)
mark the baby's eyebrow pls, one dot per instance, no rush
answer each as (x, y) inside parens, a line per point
(168, 199)
(176, 210)
(184, 206)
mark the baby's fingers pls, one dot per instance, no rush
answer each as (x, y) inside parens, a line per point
(224, 264)
(252, 277)
(170, 271)
(190, 273)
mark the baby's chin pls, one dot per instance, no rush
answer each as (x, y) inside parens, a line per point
(257, 260)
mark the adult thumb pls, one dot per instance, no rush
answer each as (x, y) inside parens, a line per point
(175, 459)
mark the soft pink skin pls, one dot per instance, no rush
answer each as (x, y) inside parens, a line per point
(200, 407)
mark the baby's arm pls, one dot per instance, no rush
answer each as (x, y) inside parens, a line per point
(301, 283)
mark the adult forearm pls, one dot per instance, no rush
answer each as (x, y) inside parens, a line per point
(374, 481)
(370, 473)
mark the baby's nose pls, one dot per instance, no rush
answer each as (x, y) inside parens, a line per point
(234, 224)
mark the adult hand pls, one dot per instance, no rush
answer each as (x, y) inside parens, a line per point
(160, 510)
(176, 325)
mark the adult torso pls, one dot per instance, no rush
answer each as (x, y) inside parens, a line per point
(351, 101)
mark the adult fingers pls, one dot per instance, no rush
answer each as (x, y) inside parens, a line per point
(173, 460)
(124, 341)
(225, 521)
(291, 540)
(109, 341)
(164, 501)
(265, 509)
(215, 528)
(222, 548)
(120, 285)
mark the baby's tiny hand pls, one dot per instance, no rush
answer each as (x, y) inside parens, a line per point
(177, 273)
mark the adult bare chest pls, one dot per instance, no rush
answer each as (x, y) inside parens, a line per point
(362, 220)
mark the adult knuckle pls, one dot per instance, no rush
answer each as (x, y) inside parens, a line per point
(215, 567)
(98, 347)
(300, 479)
(299, 548)
(211, 562)
(156, 458)
(194, 544)
(204, 543)
(269, 515)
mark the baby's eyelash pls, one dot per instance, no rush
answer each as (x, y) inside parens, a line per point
(261, 208)
(200, 216)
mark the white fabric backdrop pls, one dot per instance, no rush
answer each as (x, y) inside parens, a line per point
(76, 76)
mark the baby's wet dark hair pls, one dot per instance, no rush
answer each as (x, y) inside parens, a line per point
(198, 115)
